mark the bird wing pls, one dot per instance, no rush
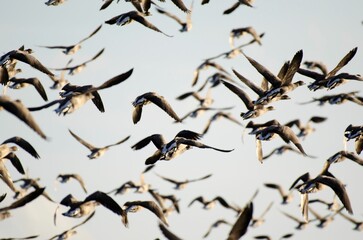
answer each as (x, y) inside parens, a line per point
(24, 200)
(106, 4)
(169, 235)
(232, 8)
(241, 225)
(292, 69)
(343, 62)
(93, 33)
(338, 188)
(275, 81)
(143, 21)
(80, 180)
(157, 139)
(31, 60)
(83, 142)
(23, 144)
(108, 203)
(119, 142)
(250, 84)
(170, 15)
(194, 143)
(115, 80)
(240, 93)
(15, 161)
(163, 104)
(181, 6)
(21, 112)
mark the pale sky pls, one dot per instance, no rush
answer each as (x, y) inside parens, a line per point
(325, 31)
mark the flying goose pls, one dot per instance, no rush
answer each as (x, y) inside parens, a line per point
(286, 197)
(96, 152)
(215, 225)
(338, 99)
(71, 49)
(326, 220)
(24, 56)
(183, 141)
(211, 203)
(160, 199)
(63, 178)
(358, 224)
(151, 97)
(74, 100)
(285, 236)
(78, 209)
(134, 206)
(78, 68)
(332, 206)
(28, 183)
(301, 223)
(218, 115)
(355, 132)
(253, 110)
(18, 109)
(282, 149)
(256, 222)
(206, 64)
(342, 155)
(54, 2)
(307, 128)
(71, 231)
(182, 184)
(321, 80)
(131, 16)
(316, 65)
(197, 112)
(235, 51)
(280, 85)
(239, 32)
(283, 131)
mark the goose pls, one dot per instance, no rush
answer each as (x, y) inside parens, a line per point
(182, 184)
(321, 80)
(256, 222)
(79, 209)
(211, 203)
(215, 225)
(235, 51)
(74, 100)
(286, 196)
(358, 225)
(71, 49)
(151, 97)
(253, 110)
(307, 128)
(54, 2)
(63, 178)
(28, 183)
(183, 141)
(96, 152)
(17, 108)
(281, 150)
(239, 32)
(301, 223)
(283, 131)
(71, 231)
(131, 16)
(280, 86)
(288, 235)
(78, 68)
(218, 115)
(326, 220)
(206, 64)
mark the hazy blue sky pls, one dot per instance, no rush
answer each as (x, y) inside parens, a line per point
(325, 30)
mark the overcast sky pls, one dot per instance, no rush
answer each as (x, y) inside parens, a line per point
(325, 31)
